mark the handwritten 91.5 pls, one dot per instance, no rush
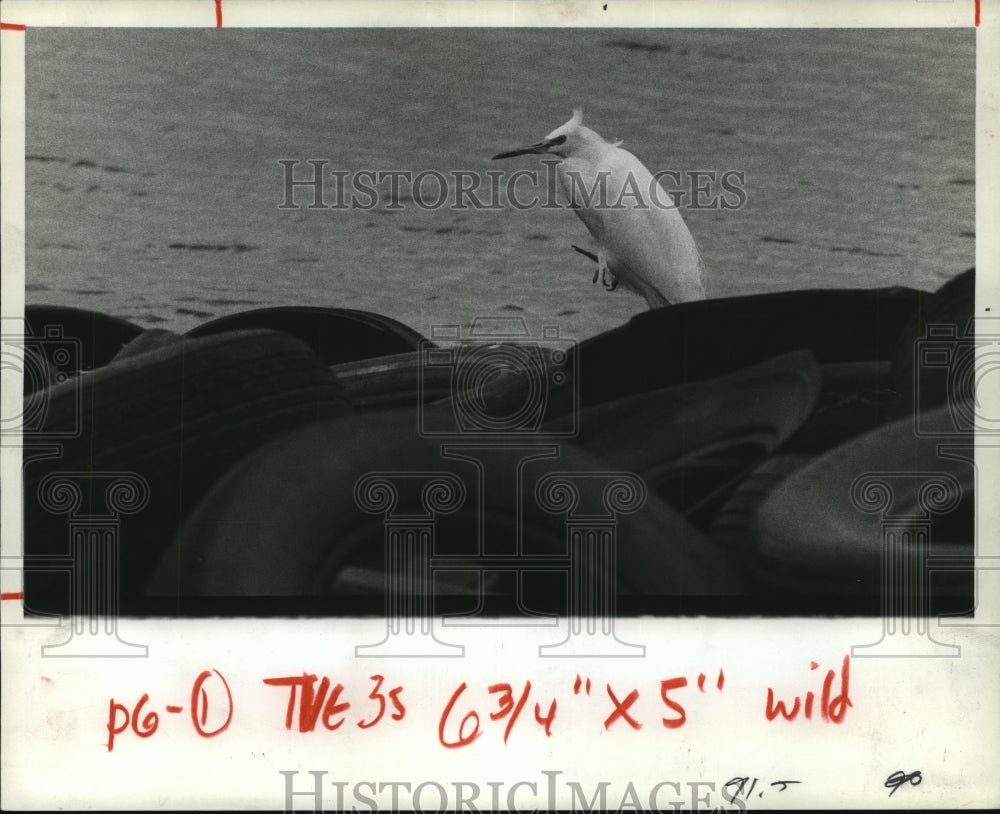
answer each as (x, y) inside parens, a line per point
(313, 702)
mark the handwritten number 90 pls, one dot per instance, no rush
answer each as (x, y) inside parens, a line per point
(897, 779)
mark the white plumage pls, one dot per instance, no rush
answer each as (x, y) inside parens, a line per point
(642, 238)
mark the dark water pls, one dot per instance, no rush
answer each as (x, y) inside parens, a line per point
(153, 183)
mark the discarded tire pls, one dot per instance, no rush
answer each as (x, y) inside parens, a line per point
(692, 443)
(701, 340)
(285, 521)
(178, 417)
(825, 528)
(338, 335)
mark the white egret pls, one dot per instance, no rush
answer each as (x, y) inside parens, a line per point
(643, 241)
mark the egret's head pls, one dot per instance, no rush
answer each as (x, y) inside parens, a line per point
(570, 139)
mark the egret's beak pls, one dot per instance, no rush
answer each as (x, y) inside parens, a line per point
(540, 147)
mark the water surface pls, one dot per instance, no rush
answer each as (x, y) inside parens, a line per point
(153, 183)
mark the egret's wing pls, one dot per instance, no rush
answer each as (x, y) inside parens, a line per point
(644, 237)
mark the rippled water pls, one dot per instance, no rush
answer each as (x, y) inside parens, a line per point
(153, 183)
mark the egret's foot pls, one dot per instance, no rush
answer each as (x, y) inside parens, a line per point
(612, 285)
(602, 270)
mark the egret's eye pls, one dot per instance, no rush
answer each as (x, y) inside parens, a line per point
(557, 140)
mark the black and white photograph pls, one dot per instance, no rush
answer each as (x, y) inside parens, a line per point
(524, 332)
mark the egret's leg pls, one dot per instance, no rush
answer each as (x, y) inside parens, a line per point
(608, 279)
(602, 270)
(593, 257)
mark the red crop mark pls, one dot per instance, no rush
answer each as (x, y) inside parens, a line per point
(12, 27)
(12, 595)
(218, 13)
(978, 11)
